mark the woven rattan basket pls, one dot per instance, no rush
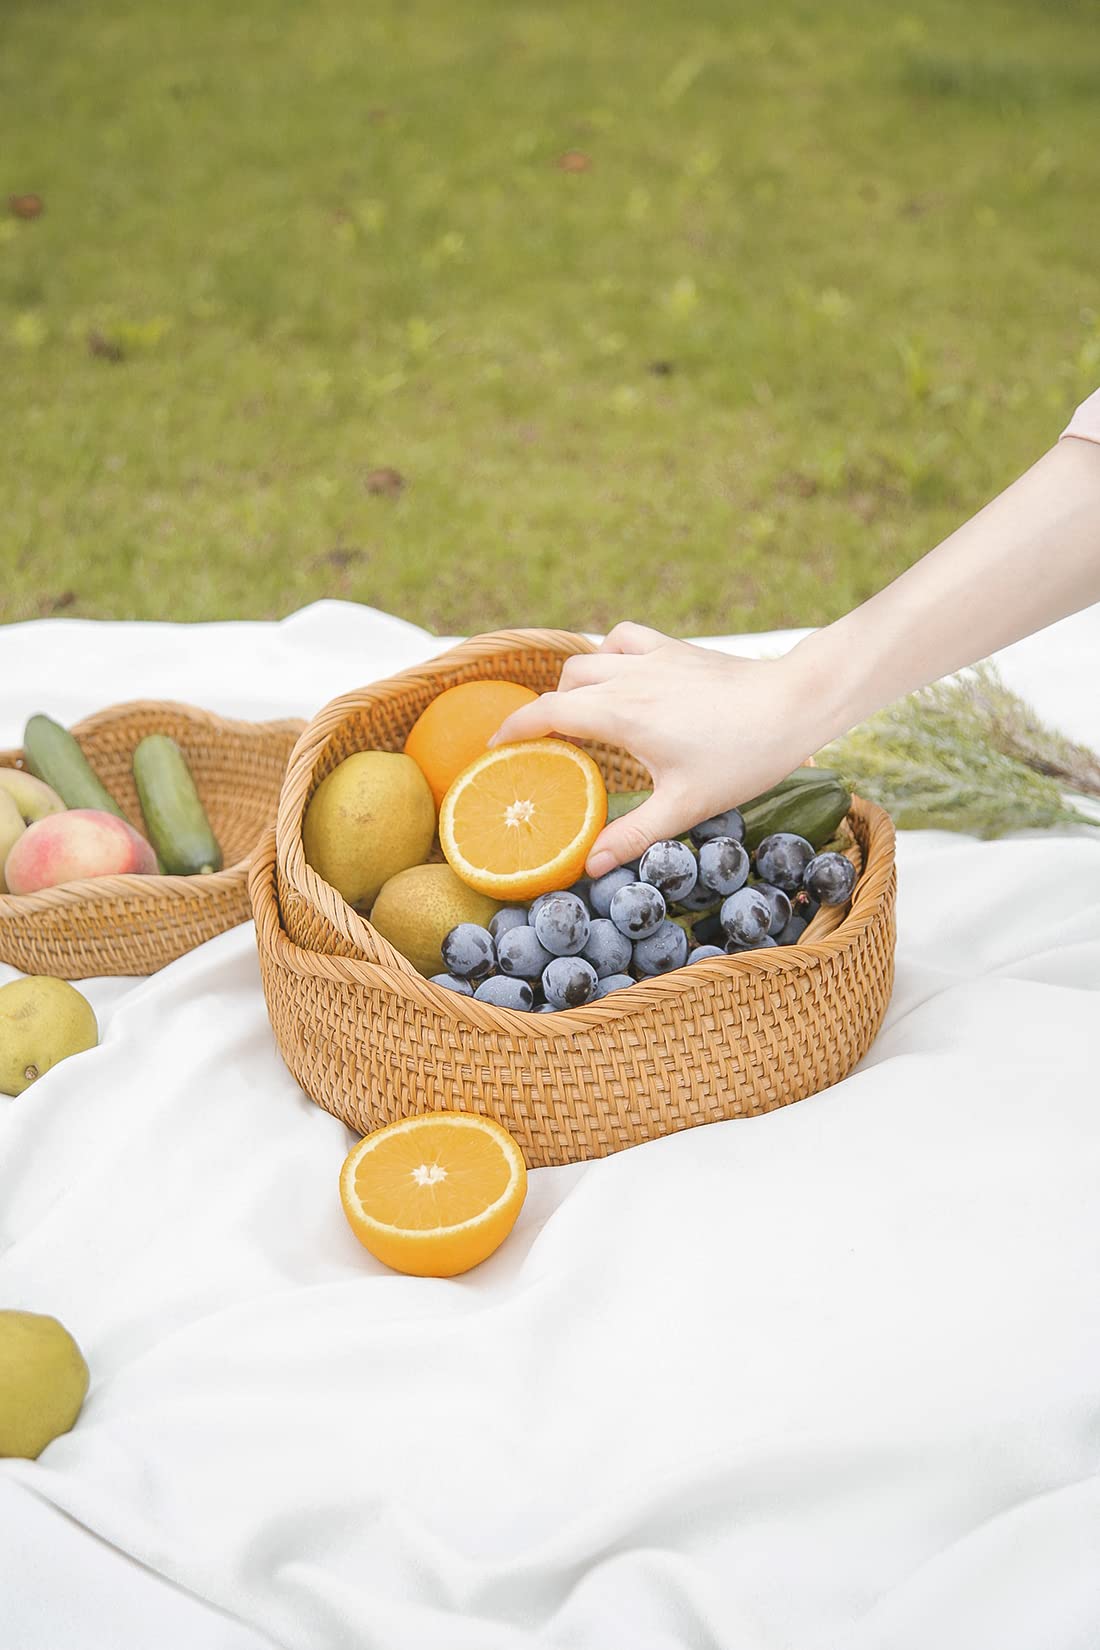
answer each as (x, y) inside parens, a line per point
(371, 1040)
(137, 924)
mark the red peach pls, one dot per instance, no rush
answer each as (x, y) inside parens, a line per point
(83, 842)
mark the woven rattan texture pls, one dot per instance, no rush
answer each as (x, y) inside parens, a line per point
(135, 924)
(371, 1041)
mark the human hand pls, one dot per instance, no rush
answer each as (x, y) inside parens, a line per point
(712, 729)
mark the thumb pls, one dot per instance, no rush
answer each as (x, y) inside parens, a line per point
(630, 836)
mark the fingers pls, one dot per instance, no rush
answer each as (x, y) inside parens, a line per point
(630, 836)
(633, 638)
(579, 714)
(588, 669)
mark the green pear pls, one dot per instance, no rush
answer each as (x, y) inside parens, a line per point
(42, 1021)
(11, 829)
(31, 796)
(43, 1382)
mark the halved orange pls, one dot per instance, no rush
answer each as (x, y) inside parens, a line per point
(520, 820)
(456, 727)
(434, 1195)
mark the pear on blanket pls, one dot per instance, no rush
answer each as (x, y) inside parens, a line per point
(43, 1382)
(42, 1021)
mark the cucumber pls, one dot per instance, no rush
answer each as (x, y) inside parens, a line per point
(811, 803)
(624, 802)
(53, 755)
(174, 817)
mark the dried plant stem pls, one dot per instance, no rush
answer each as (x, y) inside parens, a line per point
(967, 755)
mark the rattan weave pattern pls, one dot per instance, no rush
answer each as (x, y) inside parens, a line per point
(371, 1040)
(136, 924)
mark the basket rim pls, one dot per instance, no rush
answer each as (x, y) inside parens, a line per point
(92, 890)
(874, 883)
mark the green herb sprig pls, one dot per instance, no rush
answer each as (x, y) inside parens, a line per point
(967, 755)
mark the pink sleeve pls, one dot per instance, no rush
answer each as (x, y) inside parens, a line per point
(1086, 420)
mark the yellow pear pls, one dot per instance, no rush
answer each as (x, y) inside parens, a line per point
(368, 819)
(42, 1021)
(417, 909)
(33, 797)
(43, 1382)
(11, 829)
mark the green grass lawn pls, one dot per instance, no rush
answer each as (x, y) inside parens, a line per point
(819, 281)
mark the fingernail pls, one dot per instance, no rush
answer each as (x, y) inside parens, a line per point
(494, 739)
(600, 864)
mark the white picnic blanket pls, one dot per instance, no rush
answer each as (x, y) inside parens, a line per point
(825, 1380)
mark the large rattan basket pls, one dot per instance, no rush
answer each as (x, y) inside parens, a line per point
(137, 924)
(371, 1040)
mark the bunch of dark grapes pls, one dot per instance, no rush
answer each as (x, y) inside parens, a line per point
(684, 902)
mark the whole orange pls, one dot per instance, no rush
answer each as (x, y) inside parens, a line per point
(456, 728)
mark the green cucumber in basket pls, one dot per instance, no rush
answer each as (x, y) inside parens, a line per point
(174, 816)
(53, 755)
(624, 802)
(811, 802)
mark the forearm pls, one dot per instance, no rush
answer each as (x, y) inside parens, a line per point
(714, 729)
(1030, 557)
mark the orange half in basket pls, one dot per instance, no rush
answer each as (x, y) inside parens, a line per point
(521, 819)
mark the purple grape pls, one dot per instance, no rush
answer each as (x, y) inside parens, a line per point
(701, 898)
(562, 924)
(509, 916)
(638, 910)
(569, 982)
(671, 867)
(661, 951)
(829, 879)
(539, 901)
(520, 954)
(780, 906)
(746, 917)
(601, 892)
(709, 930)
(793, 932)
(700, 953)
(506, 993)
(450, 983)
(723, 865)
(606, 949)
(613, 982)
(729, 823)
(468, 951)
(545, 1008)
(781, 860)
(758, 945)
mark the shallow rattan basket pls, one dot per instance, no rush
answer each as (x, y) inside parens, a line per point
(371, 1040)
(137, 924)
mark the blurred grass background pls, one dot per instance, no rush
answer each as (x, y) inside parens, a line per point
(715, 317)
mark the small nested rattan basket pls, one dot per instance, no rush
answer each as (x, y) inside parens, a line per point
(371, 1040)
(137, 924)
